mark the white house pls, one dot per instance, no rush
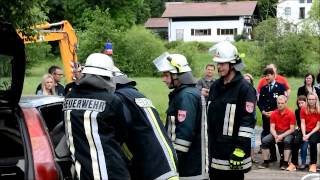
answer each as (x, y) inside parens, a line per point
(294, 12)
(209, 21)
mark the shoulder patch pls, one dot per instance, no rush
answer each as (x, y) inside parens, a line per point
(143, 102)
(182, 115)
(249, 107)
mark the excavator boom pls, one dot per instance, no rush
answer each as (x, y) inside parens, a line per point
(68, 43)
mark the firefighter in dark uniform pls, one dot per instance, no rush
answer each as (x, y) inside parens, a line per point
(185, 125)
(95, 125)
(231, 121)
(267, 103)
(148, 146)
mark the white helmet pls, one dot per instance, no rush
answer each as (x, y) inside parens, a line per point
(224, 52)
(173, 63)
(116, 71)
(98, 64)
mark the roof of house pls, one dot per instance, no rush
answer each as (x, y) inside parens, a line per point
(156, 23)
(210, 9)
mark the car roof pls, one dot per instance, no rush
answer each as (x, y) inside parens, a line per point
(13, 59)
(38, 101)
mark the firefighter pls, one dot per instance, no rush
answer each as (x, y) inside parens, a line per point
(231, 121)
(184, 124)
(148, 147)
(95, 124)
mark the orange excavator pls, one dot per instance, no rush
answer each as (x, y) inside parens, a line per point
(68, 43)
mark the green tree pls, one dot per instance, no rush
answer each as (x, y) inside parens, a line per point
(135, 50)
(156, 7)
(314, 14)
(266, 30)
(267, 8)
(315, 10)
(99, 28)
(23, 13)
(293, 52)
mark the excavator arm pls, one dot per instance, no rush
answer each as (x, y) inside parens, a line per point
(68, 43)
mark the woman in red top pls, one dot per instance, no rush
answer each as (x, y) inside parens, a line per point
(310, 125)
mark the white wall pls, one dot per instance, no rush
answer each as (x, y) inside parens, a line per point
(213, 25)
(295, 8)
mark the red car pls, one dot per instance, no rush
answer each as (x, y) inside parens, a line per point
(32, 132)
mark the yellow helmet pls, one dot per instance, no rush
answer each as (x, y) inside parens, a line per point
(173, 63)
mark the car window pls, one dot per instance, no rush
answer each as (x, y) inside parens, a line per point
(52, 115)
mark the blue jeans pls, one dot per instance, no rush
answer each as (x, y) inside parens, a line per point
(303, 152)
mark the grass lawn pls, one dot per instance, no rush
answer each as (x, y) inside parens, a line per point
(157, 91)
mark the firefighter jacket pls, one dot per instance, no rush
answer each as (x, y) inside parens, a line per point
(231, 121)
(187, 132)
(95, 128)
(147, 146)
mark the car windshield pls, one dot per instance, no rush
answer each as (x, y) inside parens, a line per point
(5, 73)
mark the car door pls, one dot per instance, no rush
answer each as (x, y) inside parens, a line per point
(53, 118)
(15, 152)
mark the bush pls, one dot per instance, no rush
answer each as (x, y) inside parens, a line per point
(173, 44)
(135, 50)
(288, 53)
(294, 53)
(188, 49)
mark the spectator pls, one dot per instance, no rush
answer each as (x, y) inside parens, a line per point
(267, 103)
(310, 126)
(282, 122)
(205, 83)
(47, 86)
(57, 74)
(297, 142)
(280, 79)
(249, 78)
(308, 86)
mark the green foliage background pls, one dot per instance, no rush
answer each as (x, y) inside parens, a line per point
(119, 21)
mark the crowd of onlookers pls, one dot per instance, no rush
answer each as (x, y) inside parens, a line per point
(291, 131)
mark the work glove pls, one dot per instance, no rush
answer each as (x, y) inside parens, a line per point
(236, 159)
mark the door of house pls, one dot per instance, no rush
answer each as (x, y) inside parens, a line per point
(179, 34)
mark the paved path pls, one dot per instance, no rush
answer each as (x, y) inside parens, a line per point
(273, 172)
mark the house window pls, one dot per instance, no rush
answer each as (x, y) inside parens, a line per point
(301, 1)
(302, 13)
(227, 31)
(287, 11)
(200, 32)
(309, 1)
